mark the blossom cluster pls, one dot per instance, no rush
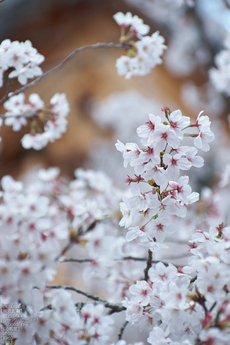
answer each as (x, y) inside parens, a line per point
(144, 54)
(146, 212)
(43, 221)
(177, 306)
(22, 57)
(188, 305)
(36, 221)
(57, 323)
(35, 218)
(47, 122)
(30, 232)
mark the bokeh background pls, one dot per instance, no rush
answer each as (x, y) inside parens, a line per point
(104, 106)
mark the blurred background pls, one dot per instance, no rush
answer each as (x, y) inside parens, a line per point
(105, 107)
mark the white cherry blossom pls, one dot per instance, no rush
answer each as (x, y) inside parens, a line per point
(137, 27)
(146, 52)
(22, 57)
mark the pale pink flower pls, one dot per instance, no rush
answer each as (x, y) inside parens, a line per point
(138, 200)
(123, 20)
(178, 122)
(136, 232)
(175, 164)
(165, 135)
(141, 292)
(148, 130)
(137, 27)
(182, 189)
(160, 227)
(191, 155)
(204, 137)
(128, 214)
(162, 274)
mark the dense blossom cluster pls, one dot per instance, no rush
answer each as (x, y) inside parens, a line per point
(22, 57)
(47, 122)
(59, 324)
(39, 219)
(50, 218)
(146, 213)
(188, 305)
(35, 222)
(143, 54)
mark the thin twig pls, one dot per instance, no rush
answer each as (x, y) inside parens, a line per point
(90, 260)
(64, 250)
(8, 88)
(133, 258)
(121, 259)
(80, 261)
(61, 64)
(75, 237)
(47, 307)
(116, 308)
(142, 259)
(149, 264)
(213, 306)
(122, 330)
(26, 115)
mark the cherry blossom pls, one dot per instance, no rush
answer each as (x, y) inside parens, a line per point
(22, 57)
(204, 137)
(123, 237)
(162, 192)
(175, 164)
(146, 52)
(52, 117)
(147, 131)
(137, 27)
(141, 292)
(178, 122)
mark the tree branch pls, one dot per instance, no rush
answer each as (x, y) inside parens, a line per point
(115, 308)
(8, 87)
(149, 264)
(61, 64)
(64, 250)
(122, 330)
(75, 260)
(124, 258)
